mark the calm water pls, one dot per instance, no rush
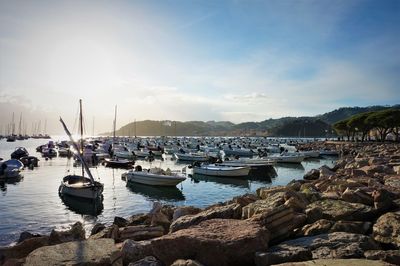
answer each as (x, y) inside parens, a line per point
(33, 204)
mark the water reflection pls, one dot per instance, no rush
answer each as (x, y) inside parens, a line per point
(83, 206)
(232, 181)
(10, 181)
(156, 192)
(262, 174)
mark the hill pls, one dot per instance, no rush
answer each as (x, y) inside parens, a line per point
(318, 126)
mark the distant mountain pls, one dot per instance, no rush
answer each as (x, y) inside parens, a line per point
(318, 126)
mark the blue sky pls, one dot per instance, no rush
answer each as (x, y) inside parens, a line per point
(198, 60)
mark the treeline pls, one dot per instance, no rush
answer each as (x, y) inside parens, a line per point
(379, 124)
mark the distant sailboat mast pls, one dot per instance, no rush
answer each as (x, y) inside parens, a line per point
(115, 123)
(81, 131)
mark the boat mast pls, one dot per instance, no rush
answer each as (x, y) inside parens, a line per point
(115, 123)
(81, 131)
(77, 148)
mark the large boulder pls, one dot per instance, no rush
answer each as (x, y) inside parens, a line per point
(312, 175)
(212, 242)
(186, 263)
(89, 252)
(260, 206)
(390, 256)
(75, 233)
(140, 232)
(22, 249)
(316, 228)
(184, 210)
(147, 261)
(282, 253)
(334, 245)
(355, 227)
(108, 232)
(387, 229)
(231, 211)
(339, 210)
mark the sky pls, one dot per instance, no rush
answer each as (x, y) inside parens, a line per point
(194, 60)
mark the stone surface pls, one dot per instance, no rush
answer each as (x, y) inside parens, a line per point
(312, 175)
(387, 229)
(140, 232)
(260, 206)
(355, 227)
(108, 232)
(186, 263)
(316, 228)
(76, 232)
(89, 252)
(334, 245)
(26, 235)
(120, 221)
(147, 261)
(184, 210)
(22, 249)
(339, 210)
(335, 262)
(390, 256)
(97, 228)
(281, 254)
(232, 211)
(212, 242)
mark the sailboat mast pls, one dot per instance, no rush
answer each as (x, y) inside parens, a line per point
(81, 131)
(115, 123)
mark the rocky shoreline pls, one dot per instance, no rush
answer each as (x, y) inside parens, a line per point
(345, 215)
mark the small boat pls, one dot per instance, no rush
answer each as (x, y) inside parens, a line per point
(230, 181)
(118, 163)
(79, 185)
(310, 154)
(221, 170)
(153, 176)
(11, 168)
(329, 153)
(30, 161)
(19, 152)
(287, 158)
(193, 157)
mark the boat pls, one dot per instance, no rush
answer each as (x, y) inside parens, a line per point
(310, 154)
(329, 153)
(79, 185)
(11, 168)
(154, 176)
(249, 162)
(30, 161)
(230, 181)
(170, 193)
(83, 206)
(221, 170)
(19, 152)
(193, 157)
(118, 162)
(287, 158)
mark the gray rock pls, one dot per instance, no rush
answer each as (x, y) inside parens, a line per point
(121, 222)
(97, 228)
(22, 249)
(140, 232)
(26, 235)
(355, 227)
(108, 232)
(387, 229)
(312, 175)
(76, 232)
(390, 256)
(317, 228)
(89, 252)
(186, 263)
(184, 210)
(281, 254)
(147, 261)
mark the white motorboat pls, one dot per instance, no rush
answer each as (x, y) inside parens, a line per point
(154, 176)
(118, 163)
(221, 170)
(198, 157)
(250, 162)
(329, 153)
(287, 158)
(310, 154)
(79, 185)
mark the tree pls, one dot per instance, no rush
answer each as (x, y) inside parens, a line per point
(384, 121)
(358, 123)
(342, 128)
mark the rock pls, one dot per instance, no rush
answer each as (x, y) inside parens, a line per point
(265, 193)
(272, 201)
(325, 172)
(140, 232)
(244, 200)
(133, 251)
(89, 252)
(316, 228)
(184, 210)
(387, 229)
(26, 235)
(108, 232)
(186, 263)
(357, 196)
(338, 210)
(376, 161)
(232, 211)
(97, 228)
(22, 249)
(396, 169)
(159, 217)
(147, 261)
(334, 245)
(213, 242)
(281, 254)
(310, 192)
(390, 256)
(140, 219)
(382, 200)
(380, 169)
(312, 175)
(354, 227)
(393, 181)
(121, 222)
(336, 262)
(76, 232)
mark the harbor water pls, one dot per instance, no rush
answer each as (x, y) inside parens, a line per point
(33, 203)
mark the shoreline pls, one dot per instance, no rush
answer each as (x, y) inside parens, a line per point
(352, 205)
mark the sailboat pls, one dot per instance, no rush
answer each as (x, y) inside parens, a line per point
(79, 185)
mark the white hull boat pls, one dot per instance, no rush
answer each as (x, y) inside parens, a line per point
(191, 157)
(219, 170)
(310, 154)
(153, 177)
(287, 158)
(250, 162)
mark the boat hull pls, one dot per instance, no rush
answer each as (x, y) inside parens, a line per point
(147, 178)
(71, 187)
(222, 171)
(191, 157)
